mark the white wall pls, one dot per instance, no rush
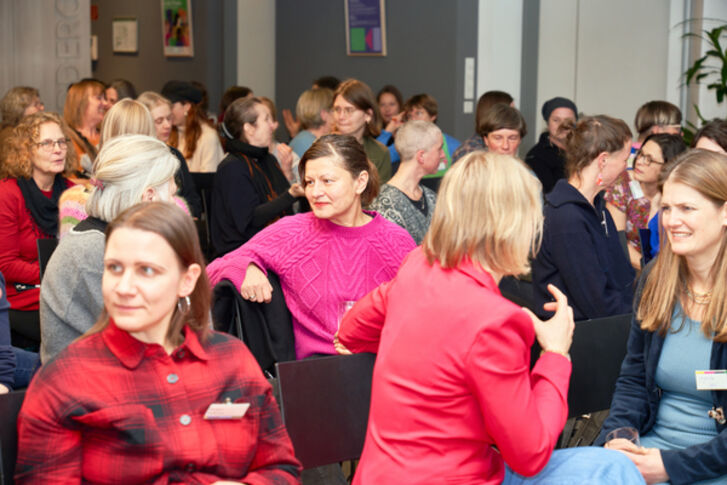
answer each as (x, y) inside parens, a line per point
(609, 57)
(45, 44)
(499, 46)
(256, 46)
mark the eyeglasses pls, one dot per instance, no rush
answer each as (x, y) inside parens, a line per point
(48, 145)
(647, 159)
(348, 111)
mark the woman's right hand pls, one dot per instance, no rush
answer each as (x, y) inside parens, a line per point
(256, 287)
(555, 334)
(296, 190)
(395, 123)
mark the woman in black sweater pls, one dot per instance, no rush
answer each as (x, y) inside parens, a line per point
(250, 191)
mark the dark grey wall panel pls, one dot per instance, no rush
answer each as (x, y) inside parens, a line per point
(426, 41)
(529, 69)
(149, 69)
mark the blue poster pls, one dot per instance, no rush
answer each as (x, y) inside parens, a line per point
(365, 27)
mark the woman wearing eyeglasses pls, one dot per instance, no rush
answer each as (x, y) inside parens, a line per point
(634, 198)
(356, 113)
(33, 180)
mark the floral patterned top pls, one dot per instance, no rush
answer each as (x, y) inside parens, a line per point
(637, 210)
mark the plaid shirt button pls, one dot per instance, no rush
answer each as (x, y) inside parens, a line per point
(185, 419)
(172, 378)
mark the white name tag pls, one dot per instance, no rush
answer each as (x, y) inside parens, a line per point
(711, 380)
(226, 410)
(636, 191)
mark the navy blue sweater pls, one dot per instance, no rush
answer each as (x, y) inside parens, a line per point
(581, 254)
(7, 356)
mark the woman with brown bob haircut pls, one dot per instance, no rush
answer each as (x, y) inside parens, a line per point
(356, 113)
(34, 175)
(679, 332)
(332, 255)
(150, 393)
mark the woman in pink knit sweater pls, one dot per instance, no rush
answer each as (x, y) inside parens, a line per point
(326, 258)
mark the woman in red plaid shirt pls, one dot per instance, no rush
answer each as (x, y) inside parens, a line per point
(150, 394)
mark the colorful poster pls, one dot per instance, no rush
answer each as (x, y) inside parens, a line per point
(365, 28)
(177, 28)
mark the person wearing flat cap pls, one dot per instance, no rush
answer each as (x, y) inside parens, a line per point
(192, 133)
(547, 157)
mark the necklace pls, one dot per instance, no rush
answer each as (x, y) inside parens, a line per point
(699, 298)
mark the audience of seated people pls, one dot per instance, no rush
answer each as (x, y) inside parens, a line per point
(324, 258)
(250, 189)
(345, 251)
(33, 178)
(486, 101)
(634, 198)
(678, 332)
(403, 199)
(356, 114)
(547, 157)
(129, 169)
(453, 399)
(581, 252)
(127, 402)
(191, 131)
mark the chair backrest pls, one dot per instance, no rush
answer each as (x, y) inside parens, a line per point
(45, 250)
(325, 406)
(9, 408)
(598, 349)
(203, 182)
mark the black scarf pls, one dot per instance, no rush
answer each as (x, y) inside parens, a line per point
(43, 210)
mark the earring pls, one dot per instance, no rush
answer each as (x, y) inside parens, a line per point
(599, 180)
(183, 305)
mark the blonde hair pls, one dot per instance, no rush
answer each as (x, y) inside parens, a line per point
(309, 107)
(151, 100)
(705, 172)
(489, 210)
(14, 103)
(22, 146)
(414, 136)
(127, 117)
(126, 166)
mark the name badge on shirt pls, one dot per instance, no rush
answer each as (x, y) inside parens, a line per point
(711, 380)
(226, 410)
(636, 191)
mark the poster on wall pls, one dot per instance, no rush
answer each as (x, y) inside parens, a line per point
(177, 28)
(124, 31)
(365, 27)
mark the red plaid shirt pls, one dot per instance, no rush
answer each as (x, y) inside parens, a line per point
(112, 409)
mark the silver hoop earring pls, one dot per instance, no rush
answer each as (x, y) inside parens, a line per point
(183, 305)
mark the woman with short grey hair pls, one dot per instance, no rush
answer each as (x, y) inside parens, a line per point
(129, 169)
(404, 200)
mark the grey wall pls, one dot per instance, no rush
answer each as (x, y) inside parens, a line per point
(427, 41)
(149, 69)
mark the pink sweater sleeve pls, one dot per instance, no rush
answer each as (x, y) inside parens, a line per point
(524, 410)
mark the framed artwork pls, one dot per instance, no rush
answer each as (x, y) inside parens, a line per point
(365, 27)
(125, 34)
(177, 28)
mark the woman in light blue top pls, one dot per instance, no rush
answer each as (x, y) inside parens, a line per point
(680, 329)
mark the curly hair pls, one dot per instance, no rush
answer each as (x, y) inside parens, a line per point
(14, 103)
(22, 146)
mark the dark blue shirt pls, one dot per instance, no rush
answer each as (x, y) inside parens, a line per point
(7, 356)
(581, 254)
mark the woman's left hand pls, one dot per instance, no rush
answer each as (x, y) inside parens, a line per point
(340, 348)
(285, 156)
(649, 463)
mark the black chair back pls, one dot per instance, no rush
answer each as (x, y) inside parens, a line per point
(204, 182)
(9, 408)
(598, 349)
(325, 406)
(45, 250)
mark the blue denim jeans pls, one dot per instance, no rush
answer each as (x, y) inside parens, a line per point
(26, 363)
(580, 466)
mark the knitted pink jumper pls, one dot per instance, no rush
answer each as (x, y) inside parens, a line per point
(320, 265)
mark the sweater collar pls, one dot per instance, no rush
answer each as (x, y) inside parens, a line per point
(565, 193)
(352, 232)
(238, 146)
(131, 351)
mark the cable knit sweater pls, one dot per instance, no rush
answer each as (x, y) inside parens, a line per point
(321, 265)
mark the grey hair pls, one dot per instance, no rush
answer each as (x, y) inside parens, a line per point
(125, 168)
(414, 136)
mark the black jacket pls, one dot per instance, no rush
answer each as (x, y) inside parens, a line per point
(547, 161)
